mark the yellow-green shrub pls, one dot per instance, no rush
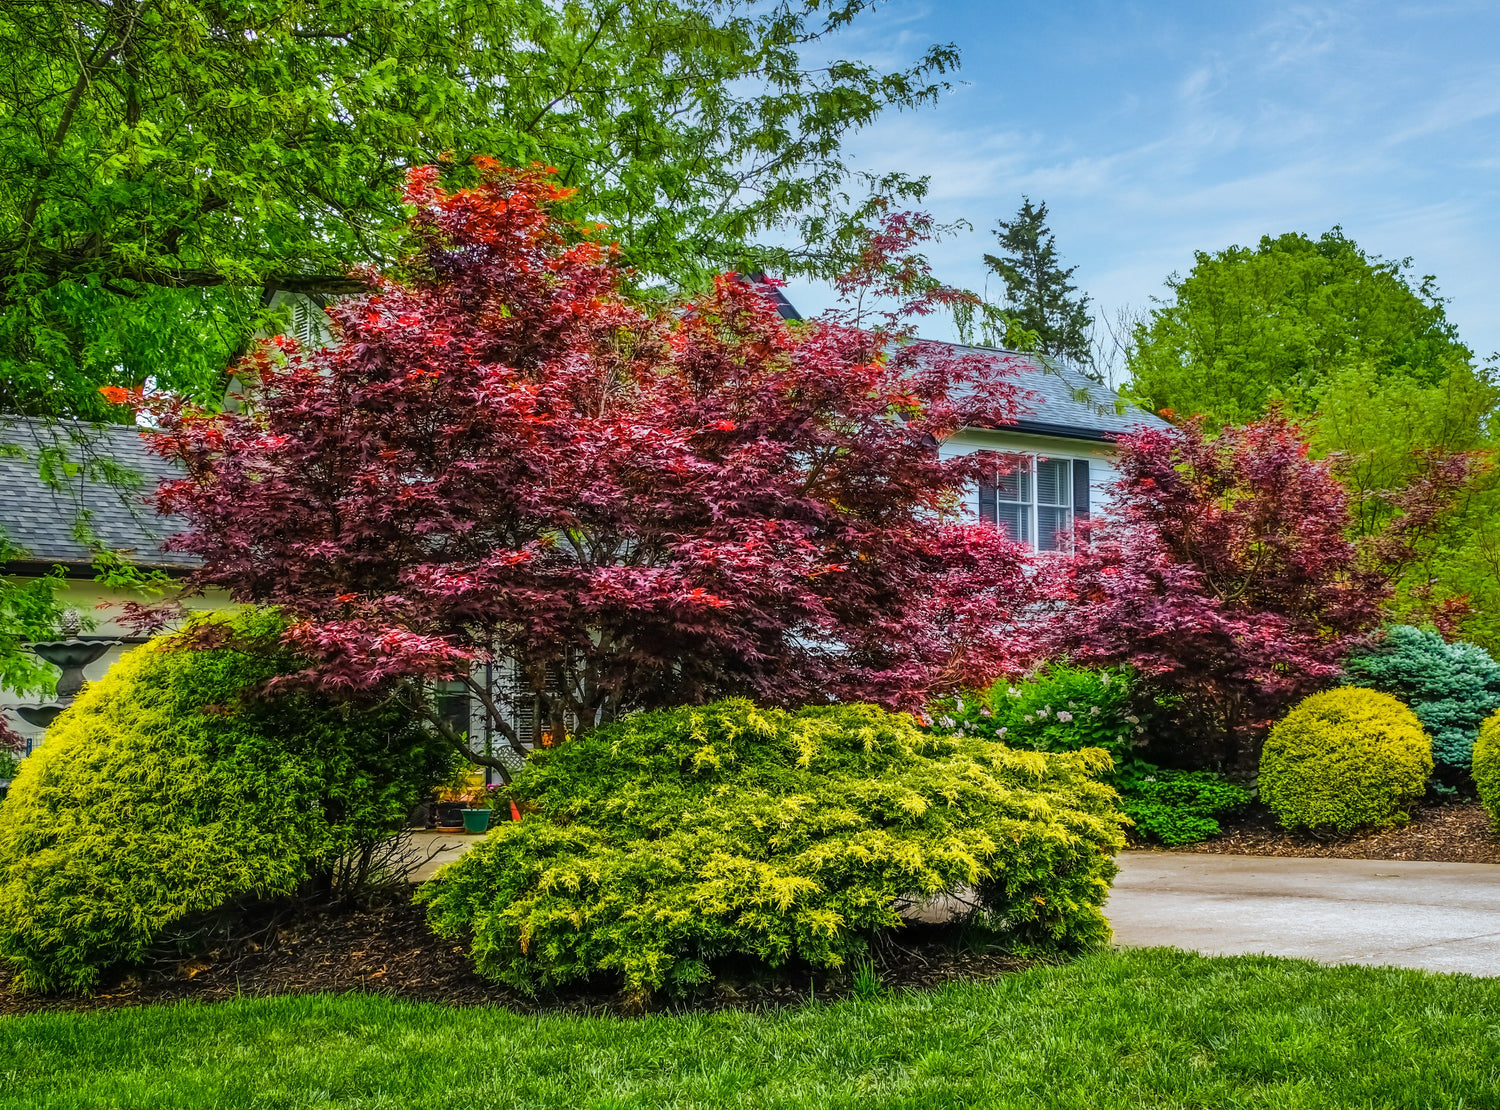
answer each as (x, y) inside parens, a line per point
(1486, 766)
(1345, 759)
(168, 790)
(669, 839)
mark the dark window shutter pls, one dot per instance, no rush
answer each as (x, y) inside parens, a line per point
(987, 489)
(1080, 489)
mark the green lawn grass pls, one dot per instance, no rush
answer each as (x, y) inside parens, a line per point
(1136, 1028)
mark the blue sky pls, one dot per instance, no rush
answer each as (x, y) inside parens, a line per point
(1153, 130)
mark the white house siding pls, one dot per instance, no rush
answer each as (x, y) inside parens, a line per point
(102, 606)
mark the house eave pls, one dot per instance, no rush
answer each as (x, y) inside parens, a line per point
(1052, 431)
(74, 570)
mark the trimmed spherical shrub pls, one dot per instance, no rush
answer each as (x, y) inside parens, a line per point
(660, 843)
(1451, 687)
(172, 788)
(1345, 759)
(1487, 766)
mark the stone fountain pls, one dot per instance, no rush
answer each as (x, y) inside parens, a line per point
(69, 655)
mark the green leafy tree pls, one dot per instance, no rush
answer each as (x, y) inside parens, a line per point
(1248, 326)
(174, 169)
(1363, 351)
(1040, 296)
(1390, 432)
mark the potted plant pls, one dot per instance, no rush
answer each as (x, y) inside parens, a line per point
(477, 819)
(455, 798)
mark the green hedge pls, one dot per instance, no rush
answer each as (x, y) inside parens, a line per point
(1451, 687)
(1062, 708)
(1178, 807)
(1487, 766)
(666, 840)
(1345, 759)
(168, 790)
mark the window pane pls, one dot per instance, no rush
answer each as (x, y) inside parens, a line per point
(1054, 481)
(1051, 520)
(1015, 520)
(1013, 482)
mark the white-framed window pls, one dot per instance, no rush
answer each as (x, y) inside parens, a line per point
(1035, 499)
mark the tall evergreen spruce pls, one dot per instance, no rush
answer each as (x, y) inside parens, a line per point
(1037, 288)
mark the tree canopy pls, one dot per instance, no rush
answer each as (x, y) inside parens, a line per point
(1038, 290)
(1229, 579)
(1279, 321)
(1364, 354)
(505, 458)
(171, 167)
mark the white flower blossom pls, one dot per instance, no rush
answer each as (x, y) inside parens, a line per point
(1104, 678)
(1029, 718)
(1093, 711)
(1064, 716)
(946, 722)
(1044, 710)
(1072, 705)
(1012, 691)
(1139, 730)
(1000, 732)
(1132, 718)
(984, 711)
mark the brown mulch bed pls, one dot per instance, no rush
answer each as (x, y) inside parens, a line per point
(1447, 832)
(387, 949)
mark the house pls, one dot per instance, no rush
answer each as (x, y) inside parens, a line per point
(1054, 464)
(68, 492)
(1052, 467)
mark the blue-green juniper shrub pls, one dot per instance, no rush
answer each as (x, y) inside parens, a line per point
(1452, 687)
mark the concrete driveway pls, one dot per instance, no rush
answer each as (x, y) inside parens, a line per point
(1435, 916)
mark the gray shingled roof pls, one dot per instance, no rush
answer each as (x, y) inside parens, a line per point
(101, 478)
(1062, 402)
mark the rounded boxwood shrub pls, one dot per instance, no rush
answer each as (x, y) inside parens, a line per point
(1487, 766)
(659, 843)
(172, 788)
(1451, 687)
(1345, 759)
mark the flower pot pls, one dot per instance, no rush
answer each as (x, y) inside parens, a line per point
(476, 820)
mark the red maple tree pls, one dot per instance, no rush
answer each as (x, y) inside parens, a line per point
(1225, 575)
(504, 458)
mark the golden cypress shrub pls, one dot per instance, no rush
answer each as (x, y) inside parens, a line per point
(1486, 766)
(1345, 759)
(657, 845)
(170, 789)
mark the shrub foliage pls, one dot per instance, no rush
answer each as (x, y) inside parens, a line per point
(1451, 687)
(1486, 766)
(1178, 807)
(170, 789)
(1343, 759)
(1227, 580)
(1064, 708)
(666, 840)
(1058, 709)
